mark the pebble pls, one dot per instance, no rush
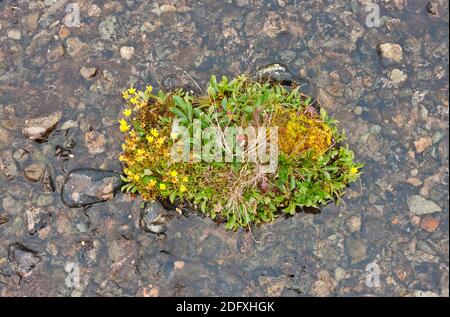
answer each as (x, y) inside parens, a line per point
(95, 142)
(69, 124)
(275, 72)
(93, 10)
(429, 224)
(414, 181)
(14, 34)
(397, 76)
(4, 137)
(37, 219)
(422, 144)
(153, 219)
(126, 52)
(432, 8)
(418, 205)
(339, 274)
(356, 249)
(23, 258)
(354, 223)
(324, 285)
(88, 72)
(41, 127)
(107, 28)
(31, 21)
(390, 53)
(34, 172)
(88, 186)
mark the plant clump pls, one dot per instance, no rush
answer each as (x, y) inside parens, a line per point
(227, 177)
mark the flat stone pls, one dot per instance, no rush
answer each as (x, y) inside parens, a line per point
(339, 274)
(397, 76)
(14, 34)
(39, 128)
(95, 142)
(85, 187)
(433, 8)
(429, 224)
(390, 53)
(418, 205)
(356, 249)
(325, 285)
(37, 218)
(88, 72)
(4, 137)
(354, 223)
(34, 172)
(31, 21)
(126, 52)
(107, 28)
(23, 258)
(422, 144)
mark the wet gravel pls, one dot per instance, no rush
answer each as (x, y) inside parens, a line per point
(388, 86)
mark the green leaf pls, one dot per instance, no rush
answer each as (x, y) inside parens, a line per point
(180, 114)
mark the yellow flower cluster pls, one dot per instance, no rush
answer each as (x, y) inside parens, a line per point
(147, 152)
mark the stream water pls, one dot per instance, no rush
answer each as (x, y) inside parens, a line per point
(388, 238)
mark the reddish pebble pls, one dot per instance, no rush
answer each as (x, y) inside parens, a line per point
(429, 224)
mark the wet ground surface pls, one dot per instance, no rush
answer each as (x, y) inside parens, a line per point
(395, 115)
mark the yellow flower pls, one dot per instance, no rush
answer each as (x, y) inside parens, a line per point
(132, 90)
(134, 100)
(154, 132)
(121, 157)
(160, 141)
(124, 125)
(162, 186)
(150, 139)
(185, 179)
(125, 95)
(173, 173)
(149, 89)
(183, 188)
(353, 170)
(127, 112)
(151, 184)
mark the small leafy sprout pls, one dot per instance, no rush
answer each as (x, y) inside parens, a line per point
(313, 165)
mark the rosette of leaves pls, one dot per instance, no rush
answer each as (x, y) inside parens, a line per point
(313, 167)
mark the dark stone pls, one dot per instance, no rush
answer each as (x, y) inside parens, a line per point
(37, 218)
(85, 187)
(47, 182)
(3, 219)
(153, 218)
(278, 73)
(23, 258)
(274, 73)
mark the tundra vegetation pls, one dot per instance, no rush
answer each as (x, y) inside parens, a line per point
(313, 166)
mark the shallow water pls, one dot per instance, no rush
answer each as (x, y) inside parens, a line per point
(396, 122)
